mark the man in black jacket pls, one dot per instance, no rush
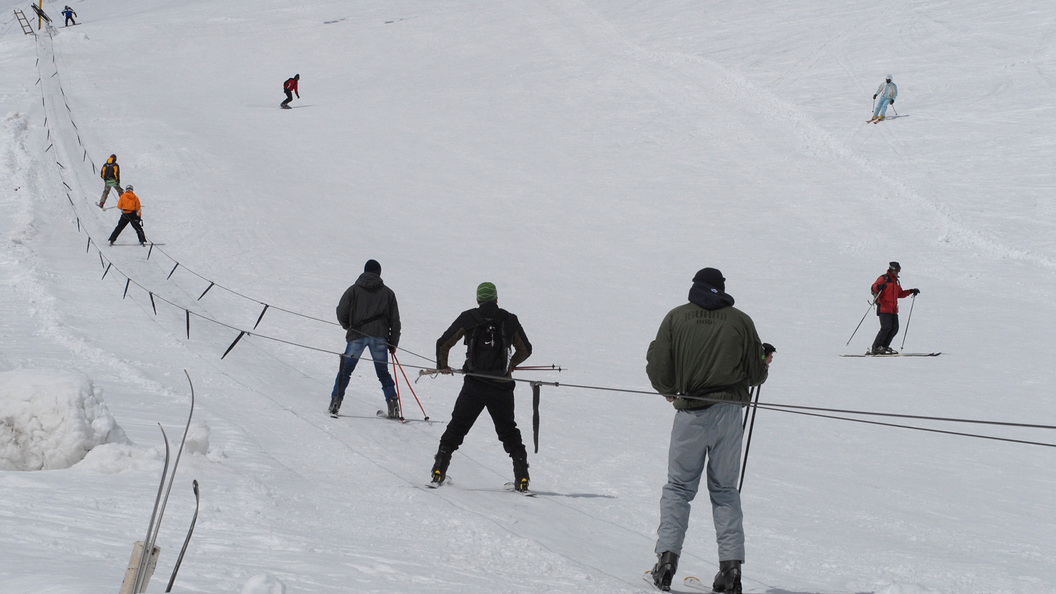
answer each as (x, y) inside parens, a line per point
(371, 318)
(490, 333)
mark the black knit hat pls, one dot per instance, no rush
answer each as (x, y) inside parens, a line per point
(710, 276)
(372, 266)
(894, 266)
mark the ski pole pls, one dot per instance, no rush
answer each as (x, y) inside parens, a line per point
(871, 304)
(748, 443)
(397, 362)
(908, 320)
(893, 109)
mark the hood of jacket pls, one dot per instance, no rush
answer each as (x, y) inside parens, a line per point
(370, 281)
(709, 297)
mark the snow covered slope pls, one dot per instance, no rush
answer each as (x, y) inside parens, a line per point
(587, 157)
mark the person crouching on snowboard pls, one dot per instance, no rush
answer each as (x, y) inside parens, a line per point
(290, 87)
(130, 213)
(490, 332)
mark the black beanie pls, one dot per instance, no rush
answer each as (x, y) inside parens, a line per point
(372, 266)
(711, 276)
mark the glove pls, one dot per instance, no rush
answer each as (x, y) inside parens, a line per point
(891, 102)
(915, 291)
(880, 289)
(874, 97)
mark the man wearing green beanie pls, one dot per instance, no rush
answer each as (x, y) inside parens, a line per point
(490, 333)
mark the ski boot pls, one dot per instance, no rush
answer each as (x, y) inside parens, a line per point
(520, 474)
(443, 459)
(394, 408)
(335, 405)
(664, 571)
(728, 580)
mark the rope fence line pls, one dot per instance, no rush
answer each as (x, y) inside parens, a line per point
(242, 332)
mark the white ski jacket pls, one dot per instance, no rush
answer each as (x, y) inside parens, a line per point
(888, 90)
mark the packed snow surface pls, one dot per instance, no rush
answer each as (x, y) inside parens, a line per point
(587, 157)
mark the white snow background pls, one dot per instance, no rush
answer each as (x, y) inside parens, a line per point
(588, 157)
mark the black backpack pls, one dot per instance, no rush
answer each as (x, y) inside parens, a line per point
(110, 171)
(488, 346)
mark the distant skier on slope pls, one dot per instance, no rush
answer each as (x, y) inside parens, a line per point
(290, 87)
(371, 318)
(887, 290)
(887, 91)
(111, 174)
(69, 14)
(490, 333)
(709, 350)
(130, 213)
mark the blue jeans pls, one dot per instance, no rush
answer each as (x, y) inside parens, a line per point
(379, 352)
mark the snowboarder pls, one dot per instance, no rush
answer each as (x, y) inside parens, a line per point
(371, 318)
(489, 334)
(111, 174)
(69, 14)
(887, 290)
(290, 87)
(708, 354)
(130, 213)
(887, 91)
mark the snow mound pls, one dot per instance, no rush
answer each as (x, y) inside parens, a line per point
(264, 584)
(49, 419)
(197, 438)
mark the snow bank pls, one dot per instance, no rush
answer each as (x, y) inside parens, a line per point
(50, 419)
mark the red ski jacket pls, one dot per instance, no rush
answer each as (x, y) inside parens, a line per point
(291, 85)
(890, 292)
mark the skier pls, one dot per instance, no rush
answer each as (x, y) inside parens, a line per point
(290, 87)
(69, 14)
(709, 350)
(111, 174)
(371, 318)
(887, 91)
(887, 290)
(489, 334)
(130, 213)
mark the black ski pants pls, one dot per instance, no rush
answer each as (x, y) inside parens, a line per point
(476, 395)
(126, 218)
(289, 97)
(888, 330)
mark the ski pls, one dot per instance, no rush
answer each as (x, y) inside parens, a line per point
(385, 415)
(696, 584)
(510, 487)
(186, 541)
(648, 577)
(936, 354)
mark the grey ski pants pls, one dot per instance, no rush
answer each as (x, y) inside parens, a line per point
(713, 434)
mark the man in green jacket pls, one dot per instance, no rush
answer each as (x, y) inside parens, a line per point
(706, 357)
